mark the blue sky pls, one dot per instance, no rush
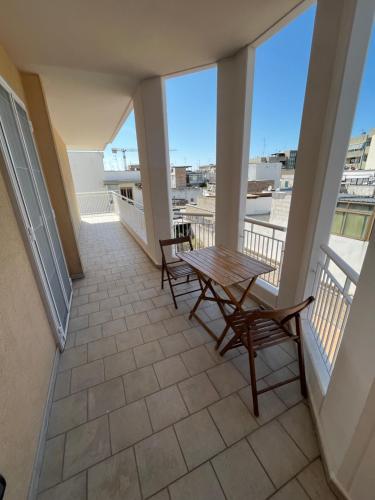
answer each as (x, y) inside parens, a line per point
(279, 88)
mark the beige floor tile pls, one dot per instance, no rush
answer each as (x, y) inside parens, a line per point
(290, 393)
(226, 378)
(137, 320)
(242, 364)
(101, 348)
(297, 422)
(67, 413)
(152, 455)
(174, 344)
(198, 392)
(270, 405)
(87, 375)
(166, 407)
(113, 327)
(278, 453)
(241, 475)
(86, 445)
(140, 383)
(100, 317)
(176, 324)
(154, 331)
(158, 314)
(232, 418)
(163, 300)
(217, 357)
(129, 424)
(199, 438)
(162, 495)
(196, 336)
(314, 482)
(115, 479)
(129, 339)
(170, 371)
(143, 305)
(128, 298)
(201, 484)
(291, 491)
(119, 364)
(105, 397)
(73, 357)
(109, 303)
(86, 309)
(72, 489)
(197, 360)
(148, 353)
(51, 472)
(122, 311)
(62, 385)
(275, 357)
(76, 324)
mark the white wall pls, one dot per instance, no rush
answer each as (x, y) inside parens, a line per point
(190, 194)
(370, 162)
(87, 170)
(265, 172)
(258, 206)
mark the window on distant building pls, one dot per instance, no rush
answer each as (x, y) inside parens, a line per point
(127, 192)
(354, 220)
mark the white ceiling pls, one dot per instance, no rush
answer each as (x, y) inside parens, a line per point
(92, 53)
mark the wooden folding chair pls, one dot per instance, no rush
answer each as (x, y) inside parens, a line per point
(177, 269)
(257, 330)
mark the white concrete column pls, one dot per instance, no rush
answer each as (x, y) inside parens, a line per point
(234, 99)
(152, 137)
(340, 41)
(347, 414)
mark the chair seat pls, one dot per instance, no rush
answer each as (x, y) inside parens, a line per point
(180, 270)
(264, 332)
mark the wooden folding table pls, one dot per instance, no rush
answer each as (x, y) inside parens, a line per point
(226, 268)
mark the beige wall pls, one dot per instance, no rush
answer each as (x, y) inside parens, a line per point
(66, 173)
(27, 347)
(56, 168)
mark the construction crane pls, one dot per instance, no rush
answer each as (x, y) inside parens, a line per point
(124, 151)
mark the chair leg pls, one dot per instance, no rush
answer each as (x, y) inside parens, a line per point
(172, 292)
(253, 382)
(232, 341)
(302, 374)
(162, 277)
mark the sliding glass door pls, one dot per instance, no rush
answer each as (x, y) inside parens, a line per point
(21, 158)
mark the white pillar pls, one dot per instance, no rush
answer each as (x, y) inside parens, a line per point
(152, 137)
(234, 99)
(347, 414)
(341, 36)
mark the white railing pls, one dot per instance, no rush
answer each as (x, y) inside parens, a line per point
(266, 242)
(131, 213)
(95, 203)
(334, 288)
(200, 227)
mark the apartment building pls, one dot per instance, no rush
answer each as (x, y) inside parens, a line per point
(361, 152)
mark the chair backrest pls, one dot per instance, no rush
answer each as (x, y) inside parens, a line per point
(177, 244)
(291, 312)
(281, 315)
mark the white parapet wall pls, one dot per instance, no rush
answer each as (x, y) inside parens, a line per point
(87, 171)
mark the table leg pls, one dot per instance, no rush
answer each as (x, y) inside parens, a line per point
(238, 307)
(203, 296)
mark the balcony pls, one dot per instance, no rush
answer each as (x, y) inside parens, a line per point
(143, 405)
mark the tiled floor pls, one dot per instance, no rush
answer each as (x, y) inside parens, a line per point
(144, 407)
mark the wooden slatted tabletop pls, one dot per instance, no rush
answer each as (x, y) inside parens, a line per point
(225, 267)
